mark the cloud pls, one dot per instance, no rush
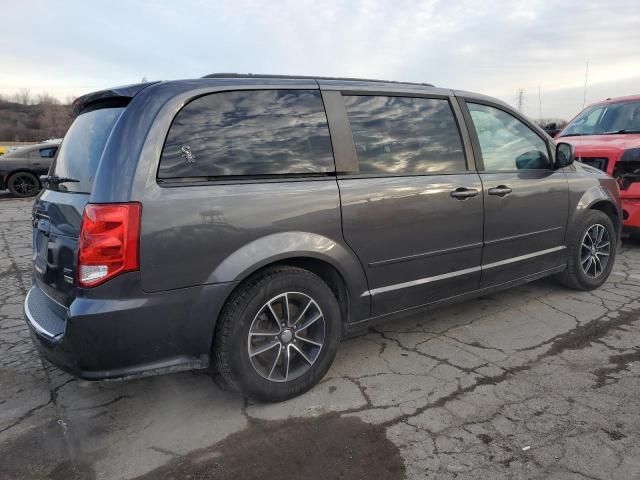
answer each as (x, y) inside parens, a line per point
(493, 47)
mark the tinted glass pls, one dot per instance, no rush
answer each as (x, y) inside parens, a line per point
(82, 148)
(506, 142)
(266, 132)
(47, 152)
(404, 135)
(605, 119)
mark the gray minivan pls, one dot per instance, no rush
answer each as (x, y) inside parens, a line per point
(250, 222)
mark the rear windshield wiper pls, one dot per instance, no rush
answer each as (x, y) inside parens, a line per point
(56, 180)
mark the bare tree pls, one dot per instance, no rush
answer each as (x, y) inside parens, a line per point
(24, 96)
(46, 99)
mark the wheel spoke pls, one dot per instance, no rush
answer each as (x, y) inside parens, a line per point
(263, 333)
(274, 364)
(286, 313)
(302, 354)
(588, 267)
(287, 361)
(304, 310)
(264, 348)
(310, 322)
(597, 263)
(274, 314)
(308, 340)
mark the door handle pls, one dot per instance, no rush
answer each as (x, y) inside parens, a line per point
(463, 193)
(500, 191)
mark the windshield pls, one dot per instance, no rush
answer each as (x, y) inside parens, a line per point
(606, 119)
(82, 148)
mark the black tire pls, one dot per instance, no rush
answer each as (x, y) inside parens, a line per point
(23, 184)
(246, 306)
(574, 276)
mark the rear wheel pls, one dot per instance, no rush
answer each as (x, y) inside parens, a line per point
(591, 252)
(23, 184)
(278, 334)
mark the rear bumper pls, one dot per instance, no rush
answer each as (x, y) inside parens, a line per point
(140, 333)
(631, 213)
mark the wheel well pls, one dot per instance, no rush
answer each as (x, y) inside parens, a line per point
(325, 271)
(609, 210)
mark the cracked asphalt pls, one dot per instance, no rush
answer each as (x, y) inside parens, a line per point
(535, 382)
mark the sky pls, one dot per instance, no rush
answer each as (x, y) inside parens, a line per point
(68, 48)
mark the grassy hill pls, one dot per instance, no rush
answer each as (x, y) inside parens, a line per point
(33, 122)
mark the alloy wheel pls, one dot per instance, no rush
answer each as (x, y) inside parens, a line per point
(286, 337)
(595, 250)
(24, 184)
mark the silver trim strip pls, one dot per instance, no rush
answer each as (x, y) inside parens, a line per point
(523, 257)
(457, 273)
(422, 281)
(33, 322)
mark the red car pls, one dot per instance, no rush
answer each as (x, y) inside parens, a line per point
(606, 135)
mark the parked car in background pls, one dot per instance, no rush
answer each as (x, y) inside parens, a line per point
(552, 129)
(253, 221)
(20, 169)
(606, 135)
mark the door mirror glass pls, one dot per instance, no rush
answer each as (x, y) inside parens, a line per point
(532, 160)
(564, 154)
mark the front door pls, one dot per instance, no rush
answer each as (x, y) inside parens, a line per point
(526, 201)
(413, 214)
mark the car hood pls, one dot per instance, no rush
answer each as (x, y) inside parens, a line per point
(600, 143)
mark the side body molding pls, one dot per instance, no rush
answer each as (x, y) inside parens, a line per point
(286, 245)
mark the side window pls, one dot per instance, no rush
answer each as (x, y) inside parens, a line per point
(253, 132)
(403, 135)
(506, 142)
(47, 152)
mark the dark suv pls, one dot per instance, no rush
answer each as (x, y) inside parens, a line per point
(250, 222)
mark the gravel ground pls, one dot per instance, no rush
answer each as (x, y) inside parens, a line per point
(535, 382)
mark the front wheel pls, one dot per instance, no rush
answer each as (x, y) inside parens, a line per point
(278, 334)
(591, 252)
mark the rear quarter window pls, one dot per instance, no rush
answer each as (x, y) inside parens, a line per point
(249, 133)
(82, 148)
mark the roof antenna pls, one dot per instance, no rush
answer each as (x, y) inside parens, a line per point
(586, 77)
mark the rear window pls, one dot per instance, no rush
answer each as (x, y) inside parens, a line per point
(82, 148)
(249, 133)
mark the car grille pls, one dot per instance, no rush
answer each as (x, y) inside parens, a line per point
(599, 163)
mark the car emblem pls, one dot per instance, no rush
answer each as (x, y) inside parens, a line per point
(186, 154)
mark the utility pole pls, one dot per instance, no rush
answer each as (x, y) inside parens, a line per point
(586, 78)
(520, 99)
(539, 104)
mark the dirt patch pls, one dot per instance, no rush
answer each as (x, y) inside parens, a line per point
(328, 446)
(620, 362)
(40, 454)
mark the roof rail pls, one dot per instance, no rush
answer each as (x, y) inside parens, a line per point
(262, 75)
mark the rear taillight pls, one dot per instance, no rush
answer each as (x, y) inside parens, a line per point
(108, 243)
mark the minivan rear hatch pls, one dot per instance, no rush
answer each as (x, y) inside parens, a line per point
(57, 213)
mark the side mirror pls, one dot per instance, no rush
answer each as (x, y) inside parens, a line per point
(564, 154)
(533, 160)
